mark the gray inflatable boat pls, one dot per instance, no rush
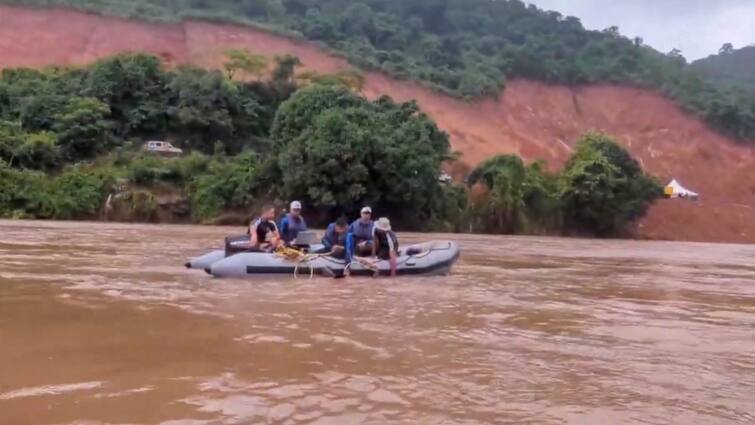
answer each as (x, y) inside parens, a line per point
(429, 258)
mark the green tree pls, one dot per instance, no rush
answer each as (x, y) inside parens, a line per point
(134, 88)
(38, 151)
(245, 62)
(276, 11)
(206, 107)
(603, 187)
(227, 184)
(11, 137)
(338, 150)
(519, 198)
(82, 128)
(285, 69)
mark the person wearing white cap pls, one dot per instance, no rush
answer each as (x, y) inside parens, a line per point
(360, 234)
(292, 223)
(385, 243)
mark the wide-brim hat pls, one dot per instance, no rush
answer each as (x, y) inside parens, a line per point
(383, 224)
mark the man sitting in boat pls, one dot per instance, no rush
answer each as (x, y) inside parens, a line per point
(292, 224)
(359, 238)
(385, 243)
(334, 240)
(263, 232)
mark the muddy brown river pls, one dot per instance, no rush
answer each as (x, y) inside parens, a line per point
(101, 324)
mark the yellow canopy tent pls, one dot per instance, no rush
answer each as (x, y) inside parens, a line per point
(676, 190)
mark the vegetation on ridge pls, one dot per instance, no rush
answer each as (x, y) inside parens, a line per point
(466, 48)
(730, 67)
(70, 137)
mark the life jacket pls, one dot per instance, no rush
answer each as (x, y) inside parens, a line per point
(263, 229)
(290, 227)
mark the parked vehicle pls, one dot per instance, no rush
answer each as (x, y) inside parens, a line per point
(164, 148)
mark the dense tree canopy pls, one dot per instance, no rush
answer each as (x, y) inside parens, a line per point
(133, 97)
(730, 67)
(68, 136)
(519, 198)
(340, 150)
(603, 187)
(601, 191)
(466, 48)
(57, 119)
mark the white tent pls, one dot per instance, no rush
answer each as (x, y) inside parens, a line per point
(676, 190)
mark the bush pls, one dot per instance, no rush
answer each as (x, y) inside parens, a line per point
(39, 151)
(76, 193)
(603, 188)
(517, 199)
(148, 169)
(137, 205)
(227, 184)
(600, 192)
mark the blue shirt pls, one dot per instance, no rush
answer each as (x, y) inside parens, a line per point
(290, 227)
(332, 237)
(362, 231)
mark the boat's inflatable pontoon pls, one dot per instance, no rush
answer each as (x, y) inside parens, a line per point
(429, 258)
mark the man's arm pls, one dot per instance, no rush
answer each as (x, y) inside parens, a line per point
(349, 247)
(284, 226)
(394, 263)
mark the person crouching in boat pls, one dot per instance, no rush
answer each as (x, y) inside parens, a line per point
(292, 224)
(334, 241)
(385, 243)
(359, 239)
(263, 232)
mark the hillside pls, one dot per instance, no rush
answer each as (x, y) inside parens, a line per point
(732, 68)
(535, 120)
(465, 48)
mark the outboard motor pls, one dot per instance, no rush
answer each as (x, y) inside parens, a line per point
(236, 244)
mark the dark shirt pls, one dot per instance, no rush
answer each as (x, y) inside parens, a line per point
(385, 242)
(263, 228)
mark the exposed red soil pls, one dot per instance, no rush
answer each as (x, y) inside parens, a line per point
(534, 120)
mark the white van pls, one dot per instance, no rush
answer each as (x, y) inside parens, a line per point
(162, 148)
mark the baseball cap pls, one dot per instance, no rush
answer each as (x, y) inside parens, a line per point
(366, 210)
(296, 205)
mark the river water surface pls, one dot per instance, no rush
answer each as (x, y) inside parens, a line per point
(101, 324)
